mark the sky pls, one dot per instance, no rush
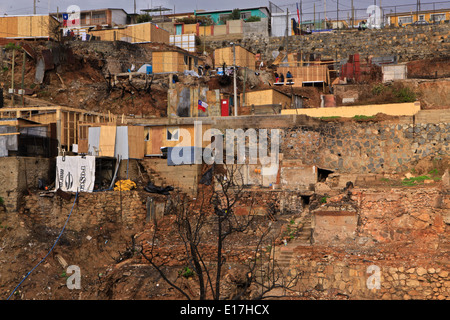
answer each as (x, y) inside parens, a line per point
(20, 7)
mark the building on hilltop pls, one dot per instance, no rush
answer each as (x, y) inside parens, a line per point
(107, 17)
(218, 16)
(418, 17)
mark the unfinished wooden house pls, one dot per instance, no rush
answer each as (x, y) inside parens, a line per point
(64, 121)
(244, 58)
(305, 75)
(29, 27)
(21, 137)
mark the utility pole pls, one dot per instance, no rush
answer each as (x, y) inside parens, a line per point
(382, 16)
(337, 14)
(287, 30)
(23, 75)
(353, 16)
(204, 40)
(417, 10)
(12, 76)
(301, 16)
(34, 6)
(243, 88)
(234, 80)
(325, 12)
(314, 21)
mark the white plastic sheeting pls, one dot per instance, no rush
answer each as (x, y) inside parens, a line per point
(75, 173)
(121, 147)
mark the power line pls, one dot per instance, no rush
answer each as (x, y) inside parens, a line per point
(51, 249)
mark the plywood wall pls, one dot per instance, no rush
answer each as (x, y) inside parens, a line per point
(136, 142)
(279, 98)
(190, 28)
(244, 58)
(170, 61)
(107, 141)
(158, 137)
(27, 26)
(266, 97)
(204, 30)
(142, 32)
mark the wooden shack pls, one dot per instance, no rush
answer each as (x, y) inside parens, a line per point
(134, 33)
(33, 26)
(173, 61)
(244, 58)
(266, 97)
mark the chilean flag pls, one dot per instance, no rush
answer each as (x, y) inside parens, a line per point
(202, 105)
(65, 18)
(298, 13)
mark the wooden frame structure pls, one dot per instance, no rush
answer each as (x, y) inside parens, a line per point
(300, 75)
(67, 120)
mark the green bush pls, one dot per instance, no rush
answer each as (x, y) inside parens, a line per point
(405, 95)
(323, 199)
(330, 118)
(204, 21)
(415, 180)
(187, 272)
(11, 46)
(145, 17)
(253, 19)
(361, 117)
(378, 89)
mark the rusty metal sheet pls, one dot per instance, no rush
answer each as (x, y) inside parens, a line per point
(48, 60)
(29, 50)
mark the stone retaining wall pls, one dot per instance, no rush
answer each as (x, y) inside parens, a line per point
(366, 147)
(409, 43)
(374, 280)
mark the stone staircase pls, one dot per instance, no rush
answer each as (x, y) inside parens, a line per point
(285, 253)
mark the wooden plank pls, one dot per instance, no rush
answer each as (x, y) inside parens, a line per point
(83, 145)
(107, 141)
(156, 136)
(9, 134)
(136, 142)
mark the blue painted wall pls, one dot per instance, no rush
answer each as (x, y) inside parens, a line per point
(215, 16)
